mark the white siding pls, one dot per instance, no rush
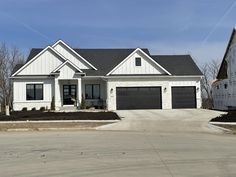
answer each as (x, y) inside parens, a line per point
(19, 94)
(147, 66)
(43, 65)
(67, 72)
(225, 98)
(71, 56)
(161, 82)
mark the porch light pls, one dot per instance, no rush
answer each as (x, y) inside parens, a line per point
(165, 89)
(111, 91)
(197, 89)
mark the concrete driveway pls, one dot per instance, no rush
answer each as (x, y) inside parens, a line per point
(165, 149)
(175, 120)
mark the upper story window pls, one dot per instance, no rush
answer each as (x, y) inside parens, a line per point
(137, 61)
(34, 91)
(92, 91)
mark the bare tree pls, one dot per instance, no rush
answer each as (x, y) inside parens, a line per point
(9, 58)
(209, 71)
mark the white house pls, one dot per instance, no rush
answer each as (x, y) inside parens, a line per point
(224, 88)
(109, 78)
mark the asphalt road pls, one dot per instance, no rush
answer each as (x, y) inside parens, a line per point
(118, 153)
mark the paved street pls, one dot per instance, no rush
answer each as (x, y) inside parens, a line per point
(155, 152)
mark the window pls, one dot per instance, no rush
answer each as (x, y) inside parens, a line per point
(138, 61)
(34, 91)
(92, 91)
(226, 86)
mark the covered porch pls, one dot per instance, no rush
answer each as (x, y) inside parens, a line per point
(68, 93)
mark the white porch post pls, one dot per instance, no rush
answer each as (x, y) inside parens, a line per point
(57, 93)
(79, 92)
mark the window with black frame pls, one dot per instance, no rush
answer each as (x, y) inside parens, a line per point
(34, 91)
(92, 91)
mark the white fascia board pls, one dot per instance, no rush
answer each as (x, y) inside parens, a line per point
(67, 61)
(34, 58)
(138, 49)
(67, 46)
(167, 76)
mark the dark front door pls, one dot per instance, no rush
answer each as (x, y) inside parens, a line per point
(183, 97)
(138, 98)
(69, 94)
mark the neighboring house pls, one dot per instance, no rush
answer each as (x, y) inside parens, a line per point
(110, 78)
(224, 87)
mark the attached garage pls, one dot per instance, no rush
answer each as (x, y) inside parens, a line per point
(138, 98)
(183, 97)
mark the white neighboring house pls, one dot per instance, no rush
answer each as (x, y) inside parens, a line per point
(110, 78)
(224, 87)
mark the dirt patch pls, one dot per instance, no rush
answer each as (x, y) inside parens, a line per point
(36, 126)
(40, 116)
(229, 117)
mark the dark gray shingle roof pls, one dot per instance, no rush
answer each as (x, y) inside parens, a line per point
(178, 64)
(106, 59)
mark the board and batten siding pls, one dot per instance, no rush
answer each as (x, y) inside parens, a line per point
(152, 82)
(224, 91)
(71, 56)
(67, 72)
(43, 65)
(129, 67)
(19, 94)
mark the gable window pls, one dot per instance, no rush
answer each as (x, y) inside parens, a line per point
(34, 91)
(138, 61)
(92, 91)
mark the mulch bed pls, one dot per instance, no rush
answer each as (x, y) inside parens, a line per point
(39, 115)
(229, 117)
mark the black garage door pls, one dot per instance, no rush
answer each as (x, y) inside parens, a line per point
(138, 98)
(183, 97)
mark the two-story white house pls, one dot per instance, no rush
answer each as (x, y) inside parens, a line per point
(224, 87)
(110, 78)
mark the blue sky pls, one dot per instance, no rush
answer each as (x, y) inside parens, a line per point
(198, 27)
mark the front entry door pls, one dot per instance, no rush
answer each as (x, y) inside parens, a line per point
(69, 94)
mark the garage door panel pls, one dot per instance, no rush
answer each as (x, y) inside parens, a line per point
(183, 97)
(138, 97)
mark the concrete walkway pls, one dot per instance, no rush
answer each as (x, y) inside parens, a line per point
(175, 120)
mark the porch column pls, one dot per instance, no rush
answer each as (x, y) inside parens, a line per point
(57, 94)
(79, 92)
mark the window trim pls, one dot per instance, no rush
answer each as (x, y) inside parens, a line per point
(34, 98)
(92, 92)
(137, 60)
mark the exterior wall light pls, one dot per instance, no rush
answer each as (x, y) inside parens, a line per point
(165, 89)
(111, 91)
(197, 89)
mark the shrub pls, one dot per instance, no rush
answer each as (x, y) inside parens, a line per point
(42, 109)
(83, 103)
(33, 109)
(53, 103)
(24, 109)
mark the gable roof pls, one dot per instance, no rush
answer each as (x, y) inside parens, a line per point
(72, 51)
(148, 56)
(63, 64)
(222, 73)
(35, 56)
(106, 59)
(178, 64)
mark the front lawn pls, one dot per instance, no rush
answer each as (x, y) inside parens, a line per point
(229, 117)
(39, 115)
